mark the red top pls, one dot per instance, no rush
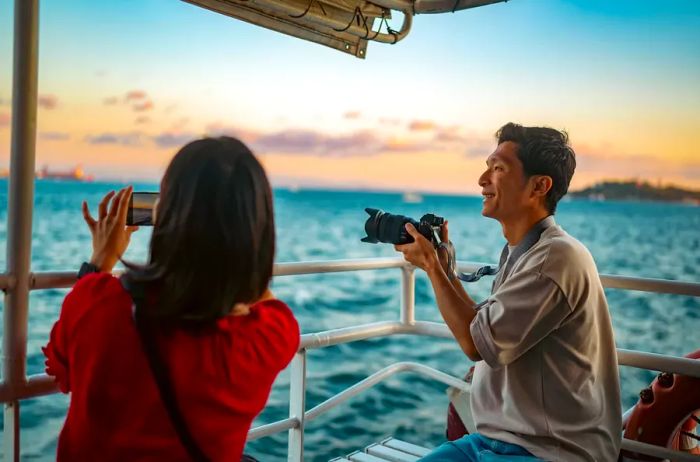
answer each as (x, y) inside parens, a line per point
(221, 379)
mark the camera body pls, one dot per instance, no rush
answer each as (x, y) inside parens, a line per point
(389, 228)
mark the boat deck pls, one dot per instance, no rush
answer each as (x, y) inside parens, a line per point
(390, 449)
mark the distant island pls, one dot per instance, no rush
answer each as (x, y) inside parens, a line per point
(637, 191)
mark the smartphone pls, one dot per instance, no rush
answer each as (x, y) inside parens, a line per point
(141, 208)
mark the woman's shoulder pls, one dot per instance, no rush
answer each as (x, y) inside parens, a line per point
(271, 313)
(270, 326)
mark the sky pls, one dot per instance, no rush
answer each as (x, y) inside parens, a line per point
(123, 84)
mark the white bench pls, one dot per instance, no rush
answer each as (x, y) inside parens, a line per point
(390, 449)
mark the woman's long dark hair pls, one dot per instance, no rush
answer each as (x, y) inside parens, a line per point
(213, 241)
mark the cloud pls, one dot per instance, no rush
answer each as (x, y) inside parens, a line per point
(47, 101)
(142, 107)
(352, 115)
(123, 139)
(421, 125)
(4, 102)
(4, 119)
(312, 142)
(135, 95)
(54, 136)
(171, 140)
(389, 121)
(110, 101)
(142, 120)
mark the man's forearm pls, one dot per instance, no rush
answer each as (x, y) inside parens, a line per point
(456, 308)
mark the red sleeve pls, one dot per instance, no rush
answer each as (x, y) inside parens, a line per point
(74, 306)
(276, 333)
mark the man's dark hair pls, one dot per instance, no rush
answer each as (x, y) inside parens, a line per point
(213, 241)
(543, 151)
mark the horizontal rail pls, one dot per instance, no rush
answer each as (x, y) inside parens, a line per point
(272, 428)
(380, 376)
(350, 334)
(42, 384)
(65, 279)
(659, 286)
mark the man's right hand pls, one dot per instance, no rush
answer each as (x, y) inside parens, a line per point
(442, 253)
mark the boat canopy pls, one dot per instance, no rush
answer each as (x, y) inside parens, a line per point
(346, 25)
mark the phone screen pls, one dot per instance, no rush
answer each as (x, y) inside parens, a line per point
(141, 208)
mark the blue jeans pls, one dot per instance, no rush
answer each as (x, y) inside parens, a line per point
(476, 447)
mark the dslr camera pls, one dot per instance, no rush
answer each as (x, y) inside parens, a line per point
(386, 227)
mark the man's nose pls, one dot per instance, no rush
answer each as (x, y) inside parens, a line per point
(484, 179)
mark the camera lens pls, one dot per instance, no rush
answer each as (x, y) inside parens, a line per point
(386, 227)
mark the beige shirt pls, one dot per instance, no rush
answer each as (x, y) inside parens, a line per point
(549, 376)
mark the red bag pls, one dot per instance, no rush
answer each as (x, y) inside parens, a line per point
(455, 427)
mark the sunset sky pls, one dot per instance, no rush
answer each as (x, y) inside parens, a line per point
(124, 83)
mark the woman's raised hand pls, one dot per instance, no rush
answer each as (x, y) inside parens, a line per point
(110, 235)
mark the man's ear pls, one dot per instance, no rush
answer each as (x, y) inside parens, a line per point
(541, 184)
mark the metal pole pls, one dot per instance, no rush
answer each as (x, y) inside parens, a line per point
(297, 406)
(408, 295)
(20, 205)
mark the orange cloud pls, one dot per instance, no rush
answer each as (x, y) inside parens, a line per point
(47, 102)
(135, 95)
(123, 139)
(54, 136)
(142, 120)
(110, 101)
(421, 125)
(142, 107)
(352, 115)
(4, 119)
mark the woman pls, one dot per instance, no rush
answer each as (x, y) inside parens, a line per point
(175, 359)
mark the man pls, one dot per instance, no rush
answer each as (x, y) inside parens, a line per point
(545, 384)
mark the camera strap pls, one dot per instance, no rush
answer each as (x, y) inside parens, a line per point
(506, 261)
(160, 372)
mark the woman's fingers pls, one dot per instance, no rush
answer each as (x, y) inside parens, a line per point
(102, 208)
(124, 204)
(87, 217)
(116, 201)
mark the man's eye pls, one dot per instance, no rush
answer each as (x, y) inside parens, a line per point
(498, 168)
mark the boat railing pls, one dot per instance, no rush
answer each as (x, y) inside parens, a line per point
(11, 392)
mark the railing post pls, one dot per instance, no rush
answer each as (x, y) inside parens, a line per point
(297, 406)
(19, 212)
(408, 295)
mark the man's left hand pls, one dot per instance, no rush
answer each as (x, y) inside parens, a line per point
(420, 252)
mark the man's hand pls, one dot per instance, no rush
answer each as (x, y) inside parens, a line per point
(442, 253)
(110, 235)
(420, 252)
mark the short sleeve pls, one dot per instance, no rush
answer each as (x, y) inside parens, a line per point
(522, 311)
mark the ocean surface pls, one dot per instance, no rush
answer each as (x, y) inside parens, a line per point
(625, 238)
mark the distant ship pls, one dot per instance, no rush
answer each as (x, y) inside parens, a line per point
(412, 197)
(77, 174)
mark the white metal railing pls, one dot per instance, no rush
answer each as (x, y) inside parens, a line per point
(41, 384)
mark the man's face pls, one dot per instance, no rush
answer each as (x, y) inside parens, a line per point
(503, 184)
